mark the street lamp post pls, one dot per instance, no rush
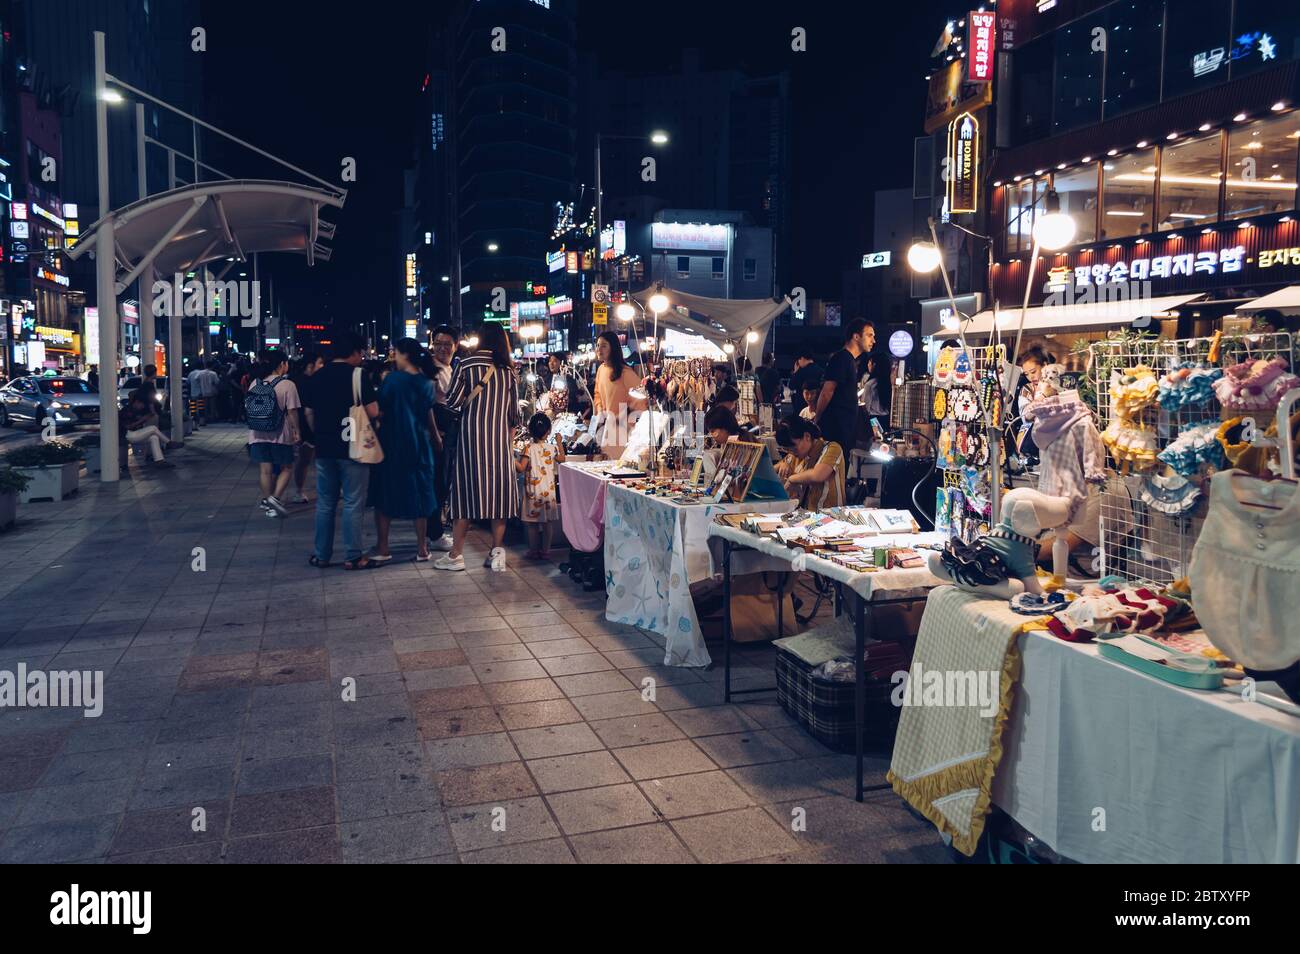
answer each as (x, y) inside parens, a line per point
(105, 283)
(657, 138)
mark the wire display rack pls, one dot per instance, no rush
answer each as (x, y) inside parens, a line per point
(1138, 542)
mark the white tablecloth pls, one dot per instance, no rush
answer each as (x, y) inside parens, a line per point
(1182, 776)
(878, 584)
(654, 550)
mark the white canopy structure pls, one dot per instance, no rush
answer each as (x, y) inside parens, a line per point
(718, 319)
(180, 230)
(185, 228)
(1286, 300)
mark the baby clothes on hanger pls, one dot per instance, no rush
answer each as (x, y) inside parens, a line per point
(1245, 570)
(1255, 385)
(1070, 450)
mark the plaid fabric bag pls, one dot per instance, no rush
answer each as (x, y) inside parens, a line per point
(825, 706)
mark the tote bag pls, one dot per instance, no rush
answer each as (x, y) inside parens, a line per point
(364, 447)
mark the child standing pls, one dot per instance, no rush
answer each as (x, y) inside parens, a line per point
(541, 507)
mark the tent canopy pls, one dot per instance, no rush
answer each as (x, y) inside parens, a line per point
(1073, 317)
(718, 319)
(1284, 299)
(212, 221)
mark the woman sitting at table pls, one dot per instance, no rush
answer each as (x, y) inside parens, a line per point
(813, 471)
(721, 425)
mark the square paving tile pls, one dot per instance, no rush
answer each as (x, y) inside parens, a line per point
(681, 795)
(564, 773)
(637, 730)
(395, 838)
(734, 836)
(744, 748)
(591, 683)
(471, 750)
(483, 783)
(594, 809)
(308, 846)
(643, 844)
(281, 811)
(531, 715)
(612, 705)
(663, 758)
(509, 671)
(458, 722)
(552, 852)
(525, 690)
(170, 828)
(506, 822)
(554, 740)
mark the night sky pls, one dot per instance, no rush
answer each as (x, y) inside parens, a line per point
(314, 83)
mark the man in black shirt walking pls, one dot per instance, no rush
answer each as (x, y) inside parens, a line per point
(837, 405)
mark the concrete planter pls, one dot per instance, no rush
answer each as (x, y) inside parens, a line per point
(8, 508)
(51, 483)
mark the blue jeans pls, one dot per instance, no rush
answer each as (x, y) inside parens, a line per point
(348, 479)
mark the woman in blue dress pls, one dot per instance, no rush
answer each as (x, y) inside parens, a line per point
(403, 482)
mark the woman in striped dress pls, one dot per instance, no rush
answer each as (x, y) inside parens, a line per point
(485, 391)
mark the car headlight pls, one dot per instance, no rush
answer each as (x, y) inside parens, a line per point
(158, 396)
(58, 405)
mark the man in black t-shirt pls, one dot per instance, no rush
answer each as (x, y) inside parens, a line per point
(328, 400)
(805, 370)
(837, 405)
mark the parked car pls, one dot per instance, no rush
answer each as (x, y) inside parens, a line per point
(28, 401)
(161, 395)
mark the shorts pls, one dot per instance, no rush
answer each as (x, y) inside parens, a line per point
(264, 452)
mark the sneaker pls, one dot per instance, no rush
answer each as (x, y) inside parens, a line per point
(497, 559)
(274, 504)
(443, 543)
(265, 504)
(445, 562)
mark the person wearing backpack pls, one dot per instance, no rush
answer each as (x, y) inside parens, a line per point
(271, 408)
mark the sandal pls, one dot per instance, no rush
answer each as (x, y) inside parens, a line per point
(362, 563)
(318, 562)
(425, 558)
(376, 558)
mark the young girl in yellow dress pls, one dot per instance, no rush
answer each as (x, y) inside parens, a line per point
(541, 506)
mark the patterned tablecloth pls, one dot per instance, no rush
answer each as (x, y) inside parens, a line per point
(654, 550)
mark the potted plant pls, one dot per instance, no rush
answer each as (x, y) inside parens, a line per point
(12, 483)
(54, 468)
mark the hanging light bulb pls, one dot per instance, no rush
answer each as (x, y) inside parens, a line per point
(923, 257)
(625, 311)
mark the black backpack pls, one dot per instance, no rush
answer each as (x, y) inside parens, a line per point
(262, 409)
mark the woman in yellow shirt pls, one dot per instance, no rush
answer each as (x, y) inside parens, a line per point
(814, 468)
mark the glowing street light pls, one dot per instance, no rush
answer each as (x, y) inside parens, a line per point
(625, 311)
(658, 302)
(659, 137)
(1054, 230)
(492, 246)
(923, 257)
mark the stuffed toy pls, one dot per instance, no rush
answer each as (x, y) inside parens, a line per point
(1002, 563)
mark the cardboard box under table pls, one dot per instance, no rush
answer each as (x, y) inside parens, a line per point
(655, 548)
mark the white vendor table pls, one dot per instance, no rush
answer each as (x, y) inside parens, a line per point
(764, 554)
(654, 550)
(1182, 775)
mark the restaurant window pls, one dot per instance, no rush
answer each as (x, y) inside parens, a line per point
(1079, 67)
(1262, 166)
(1128, 189)
(1077, 189)
(1032, 69)
(718, 265)
(1264, 34)
(1133, 36)
(683, 266)
(1197, 45)
(1190, 173)
(1020, 214)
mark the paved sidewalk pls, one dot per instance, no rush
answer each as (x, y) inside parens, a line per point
(497, 716)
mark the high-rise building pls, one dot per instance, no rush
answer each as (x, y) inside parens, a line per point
(511, 95)
(727, 148)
